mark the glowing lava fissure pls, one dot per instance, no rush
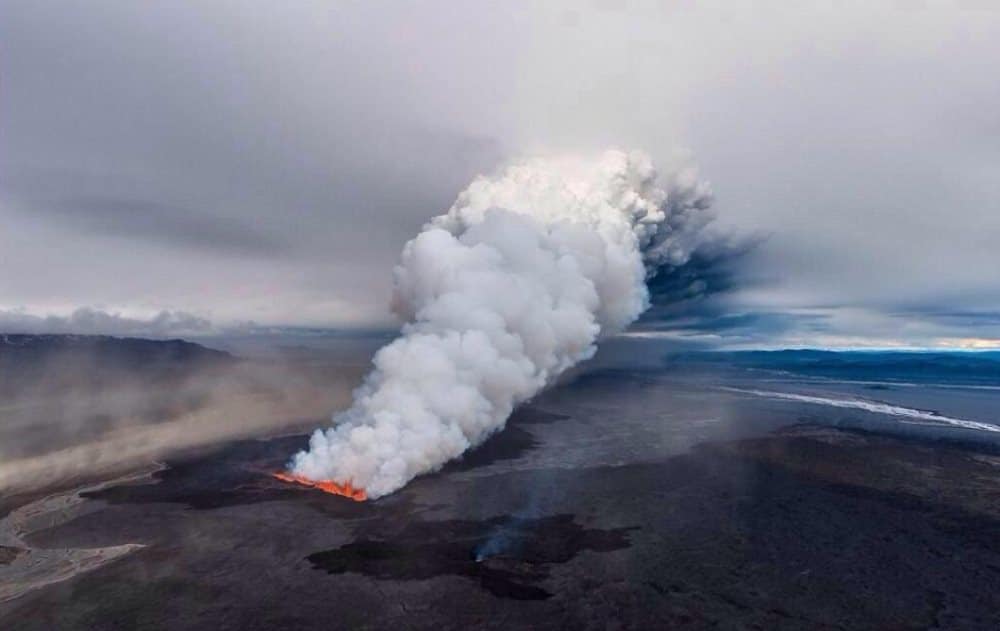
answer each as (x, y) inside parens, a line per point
(327, 486)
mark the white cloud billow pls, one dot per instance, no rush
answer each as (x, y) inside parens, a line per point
(513, 285)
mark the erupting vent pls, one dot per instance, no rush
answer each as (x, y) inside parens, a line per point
(513, 286)
(327, 486)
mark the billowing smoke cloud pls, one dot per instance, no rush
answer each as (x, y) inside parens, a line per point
(513, 285)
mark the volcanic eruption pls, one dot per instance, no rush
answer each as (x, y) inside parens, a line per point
(327, 486)
(512, 286)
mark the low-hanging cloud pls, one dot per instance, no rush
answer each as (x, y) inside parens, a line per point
(91, 321)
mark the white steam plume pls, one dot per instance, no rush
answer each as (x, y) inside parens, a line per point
(515, 284)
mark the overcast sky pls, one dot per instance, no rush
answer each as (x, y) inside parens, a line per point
(265, 161)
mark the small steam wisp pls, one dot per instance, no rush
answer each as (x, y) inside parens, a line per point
(512, 286)
(503, 539)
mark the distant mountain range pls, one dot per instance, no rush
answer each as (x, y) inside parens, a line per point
(58, 363)
(17, 343)
(978, 367)
(91, 362)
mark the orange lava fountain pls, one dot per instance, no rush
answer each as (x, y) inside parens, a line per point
(327, 486)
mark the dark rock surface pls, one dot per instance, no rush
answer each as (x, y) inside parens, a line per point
(503, 555)
(8, 554)
(807, 528)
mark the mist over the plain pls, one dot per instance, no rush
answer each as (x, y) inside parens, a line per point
(75, 407)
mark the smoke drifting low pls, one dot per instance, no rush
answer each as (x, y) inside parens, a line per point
(515, 284)
(79, 407)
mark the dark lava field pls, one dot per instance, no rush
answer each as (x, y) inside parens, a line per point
(782, 523)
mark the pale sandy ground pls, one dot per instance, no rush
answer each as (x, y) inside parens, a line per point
(29, 568)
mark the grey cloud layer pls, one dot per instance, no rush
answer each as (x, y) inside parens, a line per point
(265, 161)
(142, 220)
(91, 321)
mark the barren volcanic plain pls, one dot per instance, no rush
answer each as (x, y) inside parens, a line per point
(619, 499)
